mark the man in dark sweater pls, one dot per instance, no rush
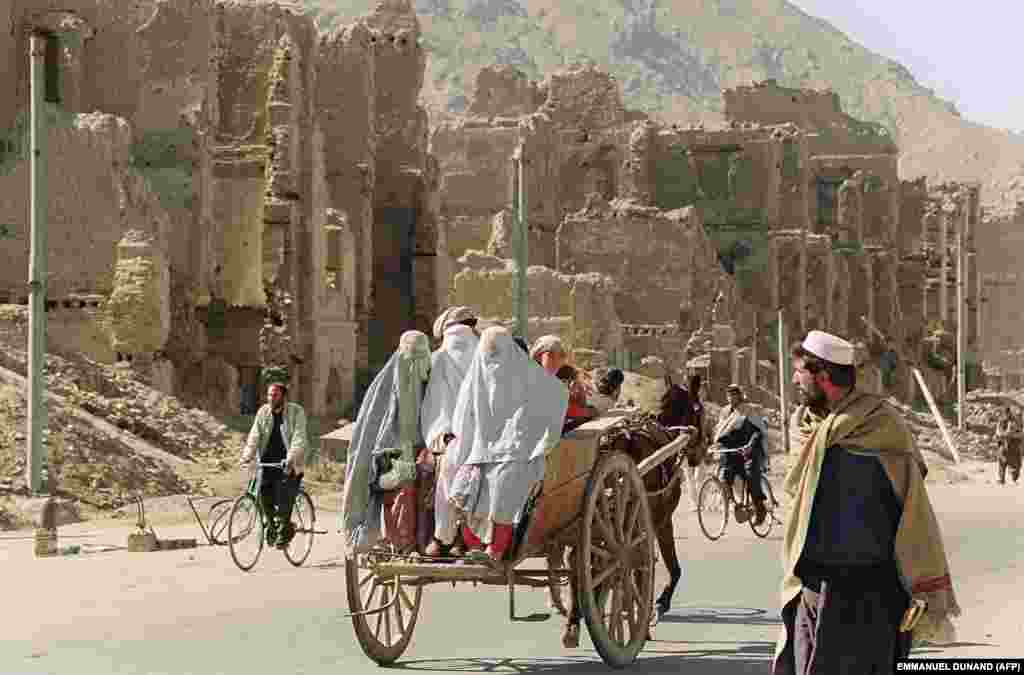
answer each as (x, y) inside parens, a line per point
(845, 620)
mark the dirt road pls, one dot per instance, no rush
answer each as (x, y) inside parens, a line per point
(191, 611)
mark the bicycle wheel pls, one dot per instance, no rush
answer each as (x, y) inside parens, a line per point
(713, 508)
(245, 532)
(218, 519)
(304, 522)
(765, 527)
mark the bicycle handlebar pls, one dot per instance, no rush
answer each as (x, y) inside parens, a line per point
(268, 465)
(725, 451)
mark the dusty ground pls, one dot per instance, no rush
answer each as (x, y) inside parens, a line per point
(192, 611)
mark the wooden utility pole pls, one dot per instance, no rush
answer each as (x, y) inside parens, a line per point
(519, 241)
(954, 455)
(961, 320)
(37, 266)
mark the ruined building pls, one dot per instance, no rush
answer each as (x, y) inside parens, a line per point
(791, 205)
(229, 191)
(236, 192)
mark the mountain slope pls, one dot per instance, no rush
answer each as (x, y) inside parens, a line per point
(673, 58)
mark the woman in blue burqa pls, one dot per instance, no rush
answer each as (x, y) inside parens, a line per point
(380, 477)
(508, 415)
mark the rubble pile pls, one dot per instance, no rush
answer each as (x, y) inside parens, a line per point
(976, 442)
(113, 394)
(982, 415)
(85, 464)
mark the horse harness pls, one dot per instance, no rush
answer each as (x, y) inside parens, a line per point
(645, 428)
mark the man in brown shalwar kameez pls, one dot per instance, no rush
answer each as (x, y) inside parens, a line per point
(1008, 433)
(862, 545)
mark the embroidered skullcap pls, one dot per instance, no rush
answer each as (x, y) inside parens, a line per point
(829, 347)
(546, 343)
(450, 317)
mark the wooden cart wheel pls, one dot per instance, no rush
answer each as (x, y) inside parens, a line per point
(382, 635)
(616, 561)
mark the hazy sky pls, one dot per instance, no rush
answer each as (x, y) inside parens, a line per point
(969, 53)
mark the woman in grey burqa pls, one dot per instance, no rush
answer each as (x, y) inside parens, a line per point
(508, 415)
(388, 423)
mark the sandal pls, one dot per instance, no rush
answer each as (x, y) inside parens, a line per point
(478, 557)
(435, 549)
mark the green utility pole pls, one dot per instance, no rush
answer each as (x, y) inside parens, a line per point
(783, 372)
(519, 240)
(37, 266)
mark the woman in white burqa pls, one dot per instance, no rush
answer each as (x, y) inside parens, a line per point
(508, 415)
(388, 421)
(448, 368)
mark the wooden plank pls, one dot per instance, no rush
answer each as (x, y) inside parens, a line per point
(448, 571)
(566, 468)
(663, 453)
(938, 418)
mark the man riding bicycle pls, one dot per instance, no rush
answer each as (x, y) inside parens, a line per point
(739, 430)
(278, 434)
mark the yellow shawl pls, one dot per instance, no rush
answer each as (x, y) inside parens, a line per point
(866, 424)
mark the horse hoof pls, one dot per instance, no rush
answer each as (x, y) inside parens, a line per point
(571, 638)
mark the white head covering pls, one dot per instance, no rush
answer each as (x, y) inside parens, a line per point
(388, 418)
(546, 343)
(508, 409)
(829, 347)
(450, 316)
(448, 368)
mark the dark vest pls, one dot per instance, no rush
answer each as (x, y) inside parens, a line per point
(854, 517)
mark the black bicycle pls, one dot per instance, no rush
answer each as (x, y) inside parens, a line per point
(716, 500)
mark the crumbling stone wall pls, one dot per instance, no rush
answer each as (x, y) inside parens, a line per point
(138, 309)
(574, 144)
(88, 190)
(663, 264)
(769, 103)
(476, 177)
(504, 91)
(250, 129)
(346, 86)
(578, 307)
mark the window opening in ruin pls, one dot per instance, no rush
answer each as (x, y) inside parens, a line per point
(393, 239)
(51, 70)
(828, 191)
(249, 386)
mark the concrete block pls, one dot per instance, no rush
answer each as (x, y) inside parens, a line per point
(143, 541)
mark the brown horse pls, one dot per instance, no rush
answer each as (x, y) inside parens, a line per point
(639, 436)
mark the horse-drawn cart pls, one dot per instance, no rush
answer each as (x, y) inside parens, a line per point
(593, 503)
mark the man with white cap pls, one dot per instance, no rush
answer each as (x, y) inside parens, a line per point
(865, 570)
(448, 366)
